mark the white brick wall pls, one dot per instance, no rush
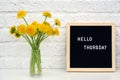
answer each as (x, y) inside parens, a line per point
(15, 53)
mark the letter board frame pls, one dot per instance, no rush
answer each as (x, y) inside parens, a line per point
(68, 47)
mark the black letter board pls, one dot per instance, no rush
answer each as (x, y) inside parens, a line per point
(90, 47)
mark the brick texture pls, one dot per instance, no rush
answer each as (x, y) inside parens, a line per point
(15, 53)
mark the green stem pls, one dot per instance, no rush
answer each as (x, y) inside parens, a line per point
(32, 63)
(40, 40)
(53, 25)
(45, 19)
(25, 20)
(28, 40)
(39, 63)
(43, 38)
(38, 37)
(33, 43)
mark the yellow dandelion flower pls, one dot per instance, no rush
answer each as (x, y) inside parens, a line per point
(35, 24)
(12, 30)
(45, 29)
(21, 29)
(57, 22)
(21, 14)
(56, 31)
(49, 30)
(41, 28)
(47, 23)
(47, 14)
(17, 35)
(31, 30)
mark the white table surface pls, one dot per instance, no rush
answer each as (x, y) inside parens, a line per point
(58, 74)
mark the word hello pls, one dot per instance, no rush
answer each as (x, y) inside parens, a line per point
(84, 39)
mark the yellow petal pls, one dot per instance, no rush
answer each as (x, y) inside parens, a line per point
(31, 30)
(21, 14)
(47, 14)
(57, 22)
(56, 31)
(21, 29)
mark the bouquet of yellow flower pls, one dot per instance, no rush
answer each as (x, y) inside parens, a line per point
(34, 33)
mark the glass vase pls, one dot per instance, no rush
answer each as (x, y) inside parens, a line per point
(35, 62)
